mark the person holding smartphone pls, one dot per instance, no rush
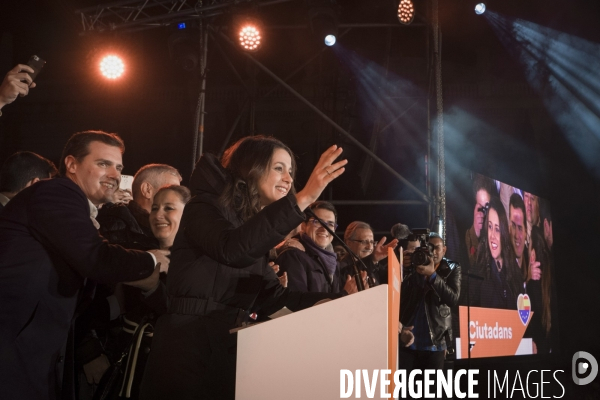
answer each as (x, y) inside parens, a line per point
(17, 82)
(123, 195)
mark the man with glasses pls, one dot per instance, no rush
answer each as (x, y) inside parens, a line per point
(315, 269)
(359, 238)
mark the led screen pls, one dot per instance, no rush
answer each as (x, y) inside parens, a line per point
(502, 236)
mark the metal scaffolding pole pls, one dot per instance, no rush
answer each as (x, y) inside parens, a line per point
(437, 44)
(199, 126)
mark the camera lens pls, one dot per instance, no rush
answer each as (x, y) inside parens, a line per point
(420, 257)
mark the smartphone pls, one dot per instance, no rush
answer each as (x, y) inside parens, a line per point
(36, 63)
(126, 182)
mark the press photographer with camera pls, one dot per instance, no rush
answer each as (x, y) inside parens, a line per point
(430, 288)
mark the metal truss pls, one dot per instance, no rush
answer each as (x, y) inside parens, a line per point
(133, 15)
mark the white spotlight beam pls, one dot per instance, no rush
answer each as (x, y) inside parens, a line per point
(562, 68)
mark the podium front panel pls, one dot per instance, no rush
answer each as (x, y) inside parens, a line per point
(300, 356)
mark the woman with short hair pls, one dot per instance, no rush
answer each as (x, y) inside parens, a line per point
(166, 213)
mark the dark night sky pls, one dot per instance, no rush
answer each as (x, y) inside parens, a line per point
(153, 111)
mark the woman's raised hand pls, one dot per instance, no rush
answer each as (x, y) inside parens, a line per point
(325, 171)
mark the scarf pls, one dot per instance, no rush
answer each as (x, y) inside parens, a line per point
(328, 258)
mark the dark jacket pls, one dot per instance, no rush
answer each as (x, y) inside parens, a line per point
(306, 272)
(142, 217)
(496, 290)
(218, 273)
(95, 332)
(48, 246)
(119, 225)
(444, 294)
(377, 272)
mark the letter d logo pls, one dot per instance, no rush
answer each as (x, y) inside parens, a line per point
(583, 367)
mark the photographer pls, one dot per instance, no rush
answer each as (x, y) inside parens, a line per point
(407, 243)
(429, 289)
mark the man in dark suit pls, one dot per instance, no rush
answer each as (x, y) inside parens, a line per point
(22, 170)
(49, 245)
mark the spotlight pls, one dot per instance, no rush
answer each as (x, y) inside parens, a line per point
(406, 12)
(249, 35)
(480, 8)
(323, 21)
(330, 40)
(112, 67)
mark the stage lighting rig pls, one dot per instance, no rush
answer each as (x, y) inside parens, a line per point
(323, 19)
(406, 12)
(480, 8)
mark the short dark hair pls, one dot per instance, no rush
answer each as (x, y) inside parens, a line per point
(322, 205)
(181, 191)
(410, 238)
(436, 235)
(516, 201)
(247, 161)
(22, 167)
(78, 146)
(481, 182)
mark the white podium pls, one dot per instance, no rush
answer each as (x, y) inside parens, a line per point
(299, 356)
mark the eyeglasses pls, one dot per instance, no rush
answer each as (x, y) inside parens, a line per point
(365, 242)
(331, 225)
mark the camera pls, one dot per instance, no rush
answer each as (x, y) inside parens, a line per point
(422, 254)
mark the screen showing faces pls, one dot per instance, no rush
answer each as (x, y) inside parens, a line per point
(503, 239)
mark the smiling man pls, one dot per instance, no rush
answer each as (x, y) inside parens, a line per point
(315, 269)
(359, 239)
(518, 228)
(49, 245)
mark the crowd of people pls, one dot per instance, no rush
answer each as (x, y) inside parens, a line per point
(125, 293)
(509, 254)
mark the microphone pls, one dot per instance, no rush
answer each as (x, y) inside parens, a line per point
(359, 282)
(400, 231)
